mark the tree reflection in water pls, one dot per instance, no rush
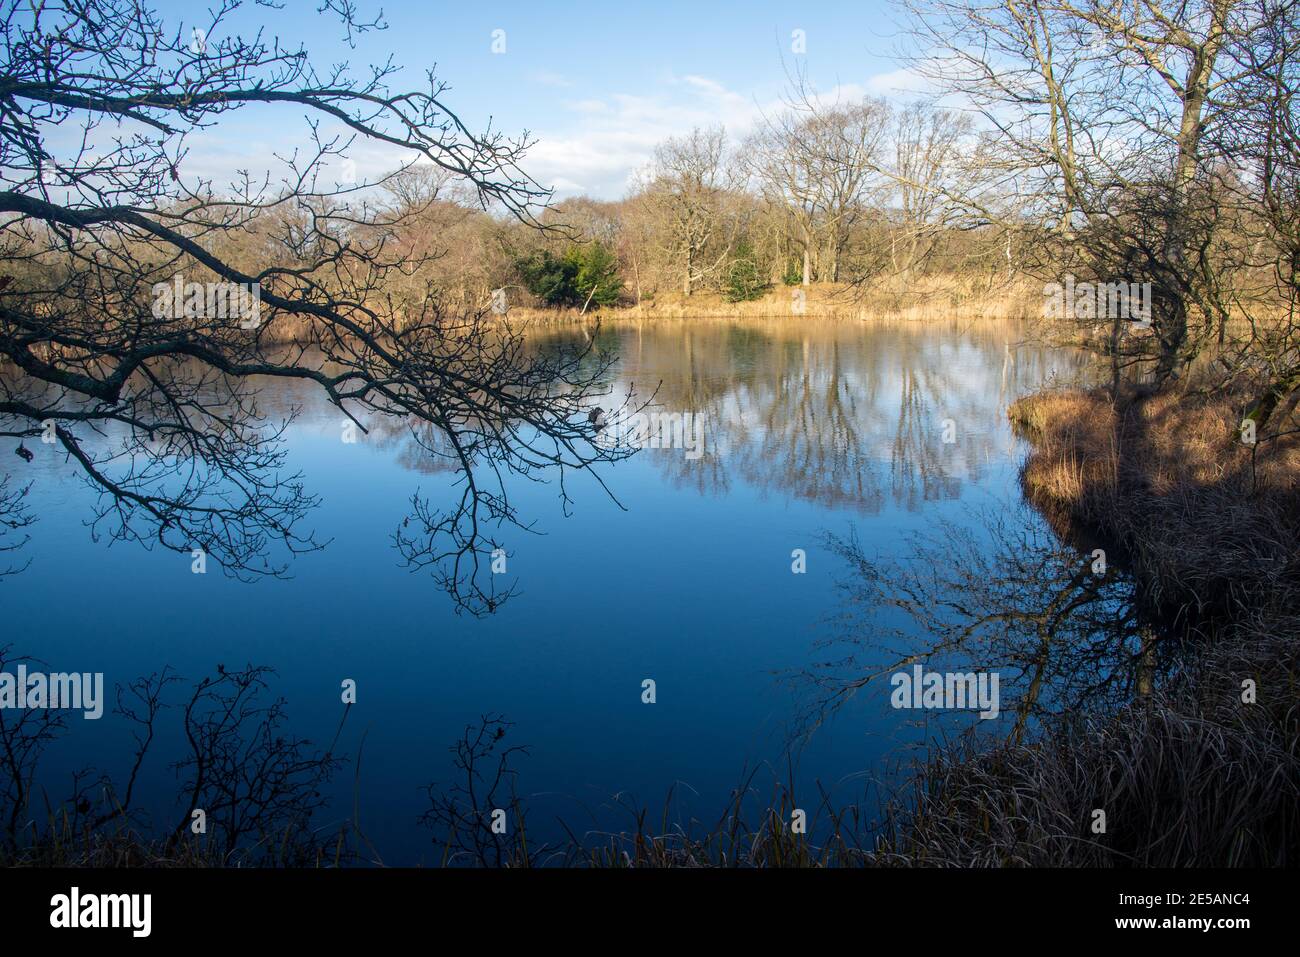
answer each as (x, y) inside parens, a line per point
(1004, 596)
(838, 414)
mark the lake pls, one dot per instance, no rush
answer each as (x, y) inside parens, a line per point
(809, 428)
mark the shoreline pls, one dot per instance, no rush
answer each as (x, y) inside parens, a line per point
(839, 302)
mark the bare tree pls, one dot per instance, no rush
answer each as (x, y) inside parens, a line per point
(252, 779)
(1263, 143)
(819, 160)
(927, 171)
(257, 785)
(1061, 635)
(14, 518)
(686, 187)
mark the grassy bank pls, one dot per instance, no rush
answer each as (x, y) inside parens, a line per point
(960, 299)
(1204, 769)
(921, 300)
(1207, 522)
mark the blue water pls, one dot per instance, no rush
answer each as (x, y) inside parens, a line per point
(810, 428)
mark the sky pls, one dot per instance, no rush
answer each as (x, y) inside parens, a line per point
(597, 85)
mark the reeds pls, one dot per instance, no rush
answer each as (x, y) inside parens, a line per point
(925, 299)
(1206, 771)
(1207, 521)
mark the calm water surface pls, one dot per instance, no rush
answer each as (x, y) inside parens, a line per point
(810, 428)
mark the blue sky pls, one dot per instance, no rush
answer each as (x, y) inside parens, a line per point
(597, 84)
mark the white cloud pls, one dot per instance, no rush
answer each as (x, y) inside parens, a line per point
(549, 78)
(609, 138)
(899, 82)
(588, 106)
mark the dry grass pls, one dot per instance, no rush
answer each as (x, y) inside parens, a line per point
(65, 843)
(1191, 775)
(1206, 521)
(924, 300)
(1193, 779)
(1076, 450)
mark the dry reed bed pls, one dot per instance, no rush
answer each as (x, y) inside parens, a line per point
(1190, 775)
(1206, 521)
(1189, 778)
(921, 301)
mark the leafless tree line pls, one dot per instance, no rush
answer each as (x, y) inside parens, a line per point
(824, 190)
